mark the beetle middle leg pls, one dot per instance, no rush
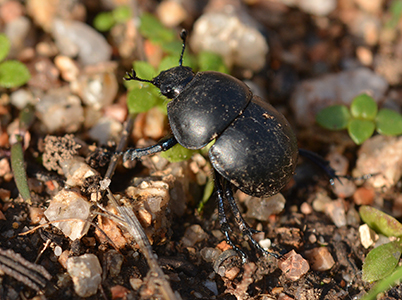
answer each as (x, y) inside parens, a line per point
(163, 145)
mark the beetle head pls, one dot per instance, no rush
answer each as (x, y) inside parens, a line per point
(172, 81)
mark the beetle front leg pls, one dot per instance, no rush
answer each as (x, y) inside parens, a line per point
(163, 145)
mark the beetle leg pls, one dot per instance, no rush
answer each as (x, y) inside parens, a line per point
(223, 221)
(244, 227)
(163, 145)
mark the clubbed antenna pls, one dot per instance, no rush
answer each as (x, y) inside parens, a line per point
(183, 36)
(133, 76)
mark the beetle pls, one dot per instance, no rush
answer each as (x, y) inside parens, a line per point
(255, 148)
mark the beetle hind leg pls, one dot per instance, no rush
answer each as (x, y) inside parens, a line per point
(243, 226)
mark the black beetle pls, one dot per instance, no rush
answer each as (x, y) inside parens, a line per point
(255, 148)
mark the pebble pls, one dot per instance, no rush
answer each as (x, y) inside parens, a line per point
(321, 201)
(210, 254)
(372, 6)
(44, 74)
(293, 265)
(17, 32)
(114, 261)
(317, 7)
(211, 285)
(353, 217)
(262, 208)
(367, 236)
(69, 204)
(119, 292)
(344, 188)
(21, 98)
(380, 155)
(11, 10)
(336, 211)
(60, 111)
(35, 214)
(76, 171)
(364, 196)
(69, 69)
(85, 271)
(106, 129)
(306, 208)
(135, 283)
(226, 34)
(171, 13)
(313, 95)
(193, 235)
(74, 38)
(320, 258)
(97, 89)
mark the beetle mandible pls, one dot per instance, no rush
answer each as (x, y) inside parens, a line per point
(255, 148)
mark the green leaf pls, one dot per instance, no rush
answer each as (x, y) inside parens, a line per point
(209, 61)
(384, 285)
(18, 167)
(121, 13)
(168, 62)
(104, 21)
(381, 261)
(144, 71)
(335, 117)
(4, 46)
(380, 221)
(141, 99)
(208, 189)
(151, 28)
(389, 122)
(177, 153)
(360, 130)
(364, 107)
(13, 74)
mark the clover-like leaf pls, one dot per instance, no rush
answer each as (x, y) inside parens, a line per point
(380, 221)
(4, 46)
(152, 28)
(177, 153)
(389, 122)
(104, 21)
(335, 117)
(141, 99)
(121, 13)
(381, 261)
(364, 107)
(360, 130)
(209, 61)
(13, 74)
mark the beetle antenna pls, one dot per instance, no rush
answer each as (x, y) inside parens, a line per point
(133, 76)
(183, 36)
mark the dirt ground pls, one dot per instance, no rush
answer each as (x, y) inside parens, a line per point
(196, 259)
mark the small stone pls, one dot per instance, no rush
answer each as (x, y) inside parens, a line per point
(60, 111)
(224, 32)
(293, 265)
(57, 251)
(317, 7)
(364, 55)
(11, 10)
(69, 204)
(380, 155)
(77, 38)
(135, 283)
(211, 285)
(321, 201)
(76, 171)
(336, 211)
(320, 259)
(171, 13)
(373, 6)
(85, 271)
(344, 188)
(193, 235)
(367, 236)
(119, 292)
(68, 67)
(35, 214)
(312, 95)
(114, 261)
(262, 208)
(353, 217)
(364, 196)
(306, 208)
(112, 231)
(265, 243)
(21, 98)
(232, 273)
(210, 254)
(105, 130)
(62, 259)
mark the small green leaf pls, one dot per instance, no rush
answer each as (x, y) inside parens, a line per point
(384, 285)
(364, 107)
(4, 46)
(209, 61)
(13, 74)
(389, 122)
(104, 21)
(208, 189)
(168, 62)
(381, 261)
(141, 99)
(360, 130)
(177, 153)
(20, 176)
(335, 117)
(151, 28)
(380, 221)
(121, 13)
